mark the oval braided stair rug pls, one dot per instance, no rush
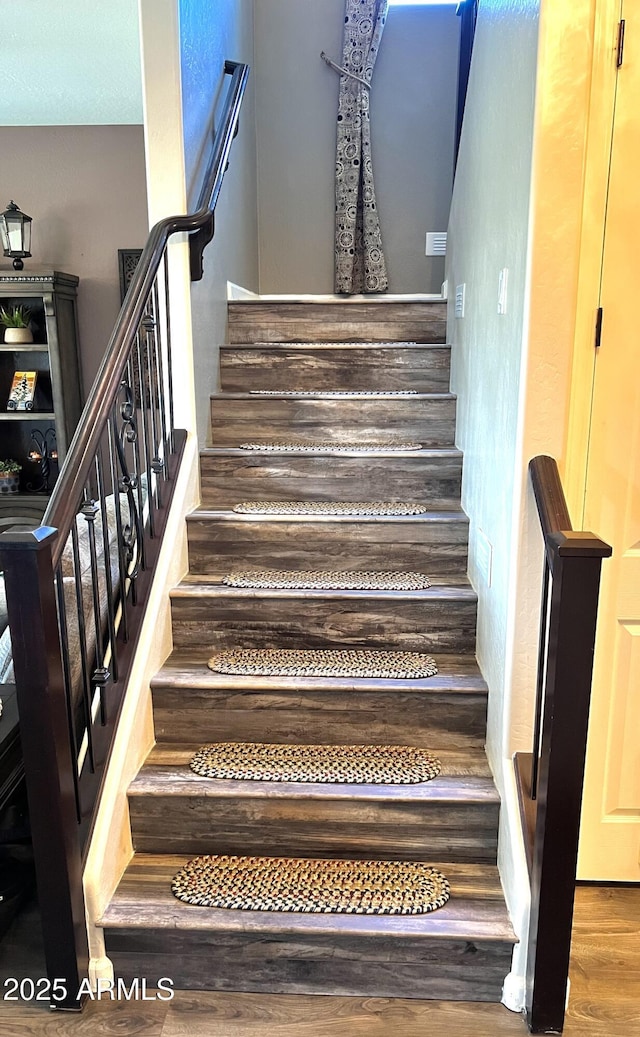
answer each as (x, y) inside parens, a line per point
(322, 445)
(313, 507)
(332, 580)
(311, 885)
(331, 662)
(327, 764)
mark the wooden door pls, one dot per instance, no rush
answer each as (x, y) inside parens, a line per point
(610, 835)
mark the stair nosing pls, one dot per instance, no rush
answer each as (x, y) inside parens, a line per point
(424, 453)
(178, 780)
(170, 677)
(220, 514)
(194, 588)
(301, 394)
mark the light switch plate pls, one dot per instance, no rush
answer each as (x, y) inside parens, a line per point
(503, 283)
(461, 291)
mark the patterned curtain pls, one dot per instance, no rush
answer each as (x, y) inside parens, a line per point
(360, 265)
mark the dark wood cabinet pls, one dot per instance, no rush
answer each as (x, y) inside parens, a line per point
(51, 298)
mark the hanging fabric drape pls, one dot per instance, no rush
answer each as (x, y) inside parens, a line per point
(360, 265)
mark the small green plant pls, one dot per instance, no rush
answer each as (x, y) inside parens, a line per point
(9, 467)
(15, 317)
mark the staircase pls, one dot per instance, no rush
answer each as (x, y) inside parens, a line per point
(279, 377)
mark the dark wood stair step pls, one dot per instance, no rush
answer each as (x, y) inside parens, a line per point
(326, 366)
(446, 711)
(434, 543)
(432, 476)
(428, 418)
(211, 615)
(461, 952)
(324, 320)
(455, 816)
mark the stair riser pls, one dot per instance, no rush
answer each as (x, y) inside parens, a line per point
(426, 720)
(296, 621)
(398, 966)
(227, 480)
(341, 321)
(313, 828)
(425, 369)
(217, 547)
(430, 422)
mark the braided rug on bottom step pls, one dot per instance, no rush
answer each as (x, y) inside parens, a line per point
(311, 885)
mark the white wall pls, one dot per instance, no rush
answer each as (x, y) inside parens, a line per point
(489, 231)
(74, 63)
(413, 116)
(523, 207)
(210, 34)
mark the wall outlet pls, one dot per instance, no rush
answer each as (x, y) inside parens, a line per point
(461, 291)
(503, 282)
(483, 557)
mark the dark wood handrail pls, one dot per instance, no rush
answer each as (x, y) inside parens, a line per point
(63, 505)
(114, 493)
(550, 499)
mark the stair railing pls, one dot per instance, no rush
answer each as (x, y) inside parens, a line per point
(77, 586)
(550, 779)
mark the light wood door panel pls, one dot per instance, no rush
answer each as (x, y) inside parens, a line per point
(610, 836)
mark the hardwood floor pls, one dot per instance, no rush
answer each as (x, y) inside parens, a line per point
(605, 995)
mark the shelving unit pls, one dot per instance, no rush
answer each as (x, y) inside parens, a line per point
(51, 297)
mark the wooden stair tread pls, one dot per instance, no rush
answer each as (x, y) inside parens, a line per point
(187, 669)
(327, 394)
(455, 763)
(167, 772)
(424, 453)
(194, 586)
(435, 514)
(476, 910)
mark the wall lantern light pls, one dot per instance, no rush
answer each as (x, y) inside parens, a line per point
(15, 231)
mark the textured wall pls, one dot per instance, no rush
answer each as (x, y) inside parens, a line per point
(413, 113)
(489, 230)
(84, 187)
(71, 63)
(227, 28)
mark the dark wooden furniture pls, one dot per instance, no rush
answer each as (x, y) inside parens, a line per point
(16, 868)
(51, 297)
(11, 767)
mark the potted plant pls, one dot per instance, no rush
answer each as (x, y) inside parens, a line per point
(9, 476)
(16, 320)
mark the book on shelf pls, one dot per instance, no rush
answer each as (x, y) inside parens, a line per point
(23, 390)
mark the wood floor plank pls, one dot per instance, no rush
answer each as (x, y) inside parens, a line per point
(599, 1006)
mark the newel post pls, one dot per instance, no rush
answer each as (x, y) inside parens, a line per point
(26, 558)
(577, 560)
